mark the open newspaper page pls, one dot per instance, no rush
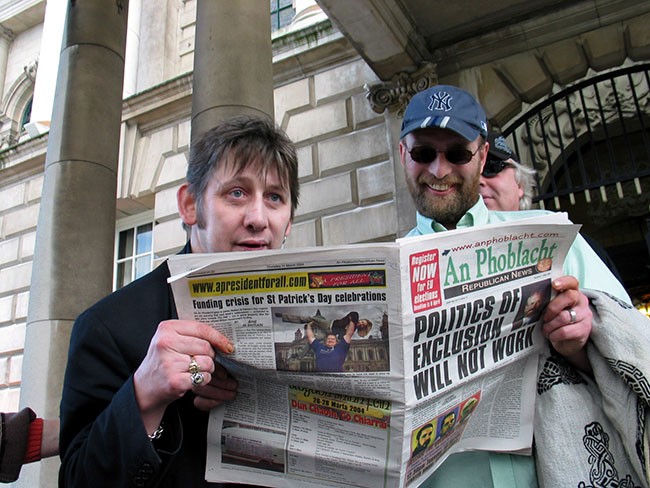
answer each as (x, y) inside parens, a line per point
(440, 356)
(306, 414)
(472, 304)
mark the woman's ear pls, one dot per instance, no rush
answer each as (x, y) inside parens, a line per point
(186, 205)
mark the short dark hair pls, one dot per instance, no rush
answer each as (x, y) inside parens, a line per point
(240, 142)
(419, 432)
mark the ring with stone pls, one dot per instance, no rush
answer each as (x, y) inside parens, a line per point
(573, 315)
(197, 378)
(194, 366)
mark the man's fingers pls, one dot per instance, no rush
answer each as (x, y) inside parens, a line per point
(191, 328)
(566, 283)
(215, 393)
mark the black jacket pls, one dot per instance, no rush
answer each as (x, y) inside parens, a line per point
(103, 441)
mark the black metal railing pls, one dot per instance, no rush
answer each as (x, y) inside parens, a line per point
(590, 138)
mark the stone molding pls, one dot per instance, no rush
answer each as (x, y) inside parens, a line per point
(7, 34)
(395, 95)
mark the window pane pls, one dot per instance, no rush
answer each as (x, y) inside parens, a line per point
(134, 253)
(27, 114)
(126, 244)
(286, 16)
(142, 266)
(282, 13)
(123, 274)
(144, 239)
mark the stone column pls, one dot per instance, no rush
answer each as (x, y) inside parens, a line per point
(48, 66)
(307, 12)
(132, 49)
(233, 62)
(391, 99)
(6, 37)
(73, 258)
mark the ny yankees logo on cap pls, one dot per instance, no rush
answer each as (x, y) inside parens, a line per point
(441, 101)
(446, 107)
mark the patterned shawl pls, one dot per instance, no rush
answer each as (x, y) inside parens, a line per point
(594, 430)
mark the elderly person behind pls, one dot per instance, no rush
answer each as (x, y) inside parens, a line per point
(505, 183)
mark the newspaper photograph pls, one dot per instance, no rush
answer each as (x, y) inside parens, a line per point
(368, 364)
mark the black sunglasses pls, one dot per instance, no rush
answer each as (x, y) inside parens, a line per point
(428, 154)
(493, 167)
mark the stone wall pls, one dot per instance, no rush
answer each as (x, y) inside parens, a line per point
(344, 167)
(23, 50)
(20, 195)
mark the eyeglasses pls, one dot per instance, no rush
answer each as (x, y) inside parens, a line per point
(428, 154)
(493, 167)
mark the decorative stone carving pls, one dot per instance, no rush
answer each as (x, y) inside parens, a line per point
(8, 140)
(7, 34)
(396, 94)
(30, 70)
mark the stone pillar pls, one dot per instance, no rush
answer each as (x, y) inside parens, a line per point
(391, 99)
(307, 12)
(73, 258)
(132, 49)
(233, 62)
(48, 67)
(6, 37)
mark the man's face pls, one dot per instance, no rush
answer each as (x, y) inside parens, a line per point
(441, 190)
(330, 340)
(447, 423)
(533, 303)
(425, 436)
(242, 212)
(501, 192)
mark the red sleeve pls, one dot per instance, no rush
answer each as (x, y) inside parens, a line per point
(33, 452)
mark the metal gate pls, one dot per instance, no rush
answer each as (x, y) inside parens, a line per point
(590, 145)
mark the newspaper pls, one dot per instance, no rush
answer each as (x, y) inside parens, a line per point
(442, 359)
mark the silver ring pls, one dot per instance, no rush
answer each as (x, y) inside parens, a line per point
(572, 314)
(197, 378)
(194, 366)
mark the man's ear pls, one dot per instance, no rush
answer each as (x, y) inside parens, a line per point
(287, 230)
(520, 192)
(402, 150)
(484, 155)
(186, 205)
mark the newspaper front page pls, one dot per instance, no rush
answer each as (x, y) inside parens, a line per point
(367, 365)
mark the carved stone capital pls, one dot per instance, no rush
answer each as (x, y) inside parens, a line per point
(7, 34)
(8, 140)
(30, 70)
(397, 93)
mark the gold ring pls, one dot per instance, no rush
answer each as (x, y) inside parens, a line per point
(194, 366)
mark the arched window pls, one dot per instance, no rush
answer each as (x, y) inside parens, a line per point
(27, 114)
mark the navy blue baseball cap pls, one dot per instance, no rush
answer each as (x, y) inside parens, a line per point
(499, 148)
(447, 107)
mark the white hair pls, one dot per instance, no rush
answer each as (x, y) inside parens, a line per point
(525, 178)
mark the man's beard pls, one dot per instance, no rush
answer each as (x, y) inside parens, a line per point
(449, 209)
